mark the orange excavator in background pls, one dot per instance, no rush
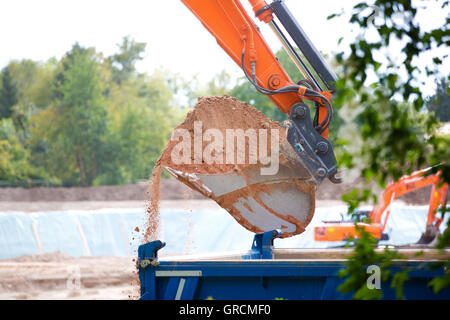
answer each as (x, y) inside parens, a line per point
(340, 231)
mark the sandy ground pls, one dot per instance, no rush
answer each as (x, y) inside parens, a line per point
(54, 275)
(60, 277)
(138, 194)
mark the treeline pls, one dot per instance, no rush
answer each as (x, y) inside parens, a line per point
(83, 120)
(89, 119)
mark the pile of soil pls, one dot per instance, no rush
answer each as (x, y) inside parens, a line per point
(171, 189)
(219, 113)
(57, 256)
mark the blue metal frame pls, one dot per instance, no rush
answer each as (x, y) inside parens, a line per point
(261, 277)
(262, 246)
(148, 258)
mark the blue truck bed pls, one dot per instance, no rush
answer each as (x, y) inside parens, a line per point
(264, 273)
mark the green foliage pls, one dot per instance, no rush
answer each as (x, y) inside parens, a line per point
(15, 162)
(439, 283)
(355, 197)
(246, 92)
(218, 86)
(34, 83)
(123, 64)
(141, 122)
(439, 104)
(397, 282)
(23, 87)
(8, 94)
(77, 126)
(364, 255)
(86, 119)
(385, 135)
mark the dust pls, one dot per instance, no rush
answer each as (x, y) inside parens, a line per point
(153, 204)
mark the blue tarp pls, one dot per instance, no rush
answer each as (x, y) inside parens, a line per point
(111, 231)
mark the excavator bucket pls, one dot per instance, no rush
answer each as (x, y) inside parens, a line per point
(285, 200)
(429, 237)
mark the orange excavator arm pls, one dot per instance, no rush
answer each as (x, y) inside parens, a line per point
(235, 32)
(241, 39)
(415, 181)
(303, 157)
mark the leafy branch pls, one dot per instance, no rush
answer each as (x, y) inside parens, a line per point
(386, 133)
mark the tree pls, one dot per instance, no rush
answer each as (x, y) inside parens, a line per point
(74, 126)
(140, 123)
(124, 62)
(440, 102)
(34, 82)
(86, 119)
(33, 85)
(246, 92)
(26, 86)
(15, 161)
(8, 94)
(384, 135)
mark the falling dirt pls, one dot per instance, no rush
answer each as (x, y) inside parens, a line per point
(153, 204)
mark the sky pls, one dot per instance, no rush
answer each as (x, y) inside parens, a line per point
(175, 39)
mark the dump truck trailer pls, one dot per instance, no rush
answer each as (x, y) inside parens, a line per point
(267, 273)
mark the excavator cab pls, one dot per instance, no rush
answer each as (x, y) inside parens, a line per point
(285, 200)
